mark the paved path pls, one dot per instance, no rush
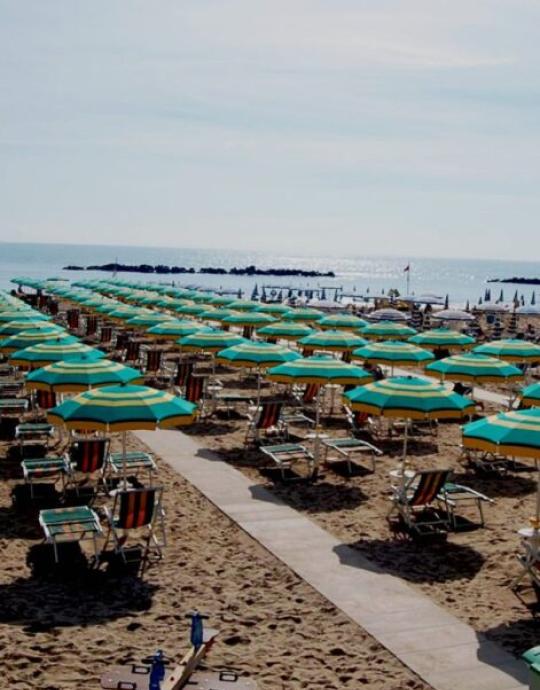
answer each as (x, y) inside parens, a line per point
(443, 651)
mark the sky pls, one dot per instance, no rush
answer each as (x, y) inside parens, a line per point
(318, 126)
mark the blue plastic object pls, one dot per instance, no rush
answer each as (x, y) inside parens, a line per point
(197, 630)
(157, 672)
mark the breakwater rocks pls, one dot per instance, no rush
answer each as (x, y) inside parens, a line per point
(516, 280)
(167, 270)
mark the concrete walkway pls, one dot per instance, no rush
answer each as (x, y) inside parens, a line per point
(443, 651)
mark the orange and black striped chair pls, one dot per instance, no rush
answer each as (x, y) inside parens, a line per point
(106, 334)
(267, 419)
(91, 325)
(73, 319)
(153, 361)
(415, 498)
(45, 399)
(183, 372)
(194, 388)
(137, 509)
(87, 456)
(133, 351)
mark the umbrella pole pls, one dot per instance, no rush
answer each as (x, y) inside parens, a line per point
(124, 458)
(404, 456)
(317, 441)
(537, 519)
(258, 385)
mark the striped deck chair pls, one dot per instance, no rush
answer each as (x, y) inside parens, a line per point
(121, 341)
(69, 524)
(153, 361)
(91, 325)
(73, 319)
(194, 388)
(105, 335)
(267, 419)
(45, 399)
(44, 468)
(183, 372)
(87, 456)
(53, 307)
(137, 509)
(307, 351)
(133, 463)
(362, 423)
(414, 501)
(133, 351)
(247, 332)
(347, 356)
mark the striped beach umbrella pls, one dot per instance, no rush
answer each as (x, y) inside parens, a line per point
(249, 318)
(386, 330)
(333, 341)
(442, 339)
(274, 308)
(341, 321)
(393, 353)
(511, 350)
(148, 320)
(216, 314)
(244, 305)
(473, 367)
(209, 340)
(191, 309)
(15, 327)
(304, 314)
(284, 330)
(22, 315)
(34, 336)
(40, 355)
(530, 395)
(221, 300)
(177, 328)
(80, 375)
(388, 314)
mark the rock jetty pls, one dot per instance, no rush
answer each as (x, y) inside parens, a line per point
(516, 280)
(168, 270)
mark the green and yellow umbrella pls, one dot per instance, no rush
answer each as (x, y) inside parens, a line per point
(40, 355)
(209, 340)
(285, 330)
(177, 328)
(274, 308)
(217, 315)
(220, 300)
(333, 341)
(15, 327)
(473, 367)
(22, 315)
(249, 318)
(530, 396)
(244, 305)
(342, 321)
(148, 320)
(191, 309)
(393, 353)
(386, 330)
(511, 350)
(304, 314)
(34, 336)
(442, 339)
(81, 374)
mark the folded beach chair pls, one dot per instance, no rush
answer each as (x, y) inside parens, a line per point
(194, 389)
(347, 449)
(49, 467)
(362, 423)
(266, 419)
(415, 499)
(121, 341)
(105, 335)
(133, 463)
(45, 400)
(306, 396)
(73, 319)
(86, 456)
(137, 510)
(133, 352)
(285, 455)
(453, 495)
(91, 325)
(153, 362)
(183, 372)
(69, 524)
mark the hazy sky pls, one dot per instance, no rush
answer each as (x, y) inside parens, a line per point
(340, 126)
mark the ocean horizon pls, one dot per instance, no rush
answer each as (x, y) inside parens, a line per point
(460, 279)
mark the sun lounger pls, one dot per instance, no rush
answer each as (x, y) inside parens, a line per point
(86, 456)
(285, 455)
(415, 501)
(13, 407)
(347, 448)
(232, 400)
(31, 433)
(133, 463)
(452, 496)
(11, 388)
(44, 468)
(69, 524)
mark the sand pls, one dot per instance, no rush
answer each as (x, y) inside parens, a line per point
(60, 633)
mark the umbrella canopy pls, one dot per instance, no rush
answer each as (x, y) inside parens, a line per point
(176, 328)
(285, 330)
(515, 433)
(321, 369)
(220, 300)
(303, 314)
(452, 315)
(210, 341)
(15, 327)
(244, 305)
(341, 321)
(473, 367)
(335, 341)
(530, 396)
(249, 318)
(147, 320)
(253, 354)
(511, 350)
(393, 353)
(123, 408)
(81, 374)
(386, 330)
(442, 338)
(388, 315)
(409, 397)
(22, 315)
(218, 315)
(274, 308)
(47, 353)
(34, 336)
(191, 309)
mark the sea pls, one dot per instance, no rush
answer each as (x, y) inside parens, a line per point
(461, 279)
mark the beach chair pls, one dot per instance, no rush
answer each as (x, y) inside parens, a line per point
(61, 525)
(247, 332)
(414, 501)
(121, 342)
(346, 356)
(183, 371)
(265, 419)
(133, 463)
(306, 396)
(137, 510)
(86, 456)
(73, 319)
(307, 351)
(348, 448)
(153, 362)
(452, 496)
(91, 325)
(105, 335)
(49, 467)
(45, 400)
(362, 423)
(194, 390)
(285, 455)
(32, 433)
(133, 352)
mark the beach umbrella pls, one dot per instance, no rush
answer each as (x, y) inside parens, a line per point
(251, 318)
(46, 353)
(217, 315)
(304, 314)
(409, 398)
(209, 341)
(341, 321)
(392, 353)
(80, 374)
(442, 338)
(511, 350)
(274, 308)
(34, 336)
(530, 396)
(177, 328)
(220, 300)
(285, 330)
(15, 327)
(388, 315)
(191, 309)
(148, 320)
(22, 315)
(493, 307)
(321, 369)
(515, 434)
(334, 341)
(244, 305)
(122, 408)
(473, 367)
(452, 315)
(386, 330)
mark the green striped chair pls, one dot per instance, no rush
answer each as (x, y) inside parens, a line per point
(132, 463)
(62, 525)
(49, 467)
